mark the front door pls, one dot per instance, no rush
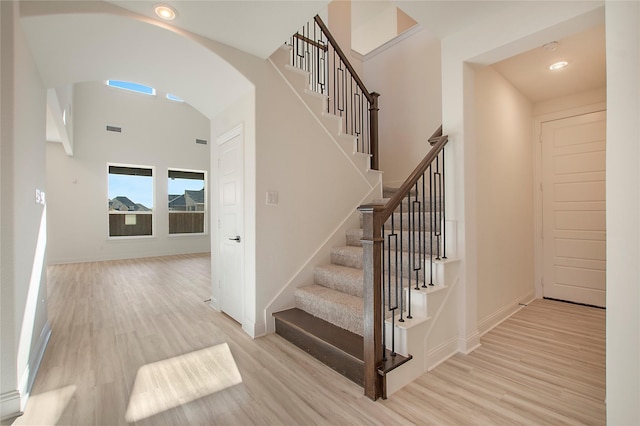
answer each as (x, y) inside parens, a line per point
(573, 212)
(231, 224)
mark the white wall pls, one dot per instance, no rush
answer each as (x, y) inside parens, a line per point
(504, 197)
(500, 36)
(293, 155)
(374, 23)
(407, 75)
(623, 211)
(564, 103)
(25, 329)
(155, 132)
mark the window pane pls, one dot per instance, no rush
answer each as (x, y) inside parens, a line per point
(134, 87)
(174, 98)
(130, 201)
(187, 203)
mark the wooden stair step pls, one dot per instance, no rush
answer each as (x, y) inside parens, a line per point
(336, 347)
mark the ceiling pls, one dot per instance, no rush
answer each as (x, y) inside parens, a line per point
(585, 52)
(260, 26)
(256, 27)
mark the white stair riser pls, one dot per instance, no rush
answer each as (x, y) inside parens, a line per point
(317, 103)
(351, 257)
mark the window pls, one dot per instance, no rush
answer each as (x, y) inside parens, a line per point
(187, 202)
(133, 87)
(174, 98)
(130, 201)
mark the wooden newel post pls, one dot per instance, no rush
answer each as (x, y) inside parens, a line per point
(373, 131)
(372, 295)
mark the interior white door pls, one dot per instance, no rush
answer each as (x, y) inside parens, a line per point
(573, 209)
(231, 226)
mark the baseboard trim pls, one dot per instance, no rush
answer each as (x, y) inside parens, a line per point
(441, 353)
(490, 322)
(469, 343)
(29, 376)
(10, 405)
(253, 329)
(111, 257)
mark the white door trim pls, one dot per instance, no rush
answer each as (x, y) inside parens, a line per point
(537, 181)
(227, 136)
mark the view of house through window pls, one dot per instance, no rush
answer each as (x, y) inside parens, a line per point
(186, 202)
(130, 201)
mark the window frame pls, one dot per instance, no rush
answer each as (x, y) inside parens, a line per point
(152, 211)
(205, 226)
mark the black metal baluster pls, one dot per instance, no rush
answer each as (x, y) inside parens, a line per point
(431, 223)
(423, 229)
(395, 305)
(439, 206)
(420, 237)
(401, 267)
(382, 282)
(444, 215)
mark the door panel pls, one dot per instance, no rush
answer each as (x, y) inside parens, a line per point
(574, 209)
(231, 228)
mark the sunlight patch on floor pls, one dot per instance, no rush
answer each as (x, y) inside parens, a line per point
(167, 384)
(48, 406)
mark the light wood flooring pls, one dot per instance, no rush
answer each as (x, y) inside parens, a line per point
(120, 329)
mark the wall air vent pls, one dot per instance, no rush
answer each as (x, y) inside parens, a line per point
(114, 129)
(201, 141)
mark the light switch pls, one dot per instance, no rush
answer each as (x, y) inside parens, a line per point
(272, 198)
(40, 197)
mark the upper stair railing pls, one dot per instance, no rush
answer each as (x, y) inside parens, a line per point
(398, 257)
(316, 51)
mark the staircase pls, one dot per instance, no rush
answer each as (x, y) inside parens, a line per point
(332, 317)
(327, 320)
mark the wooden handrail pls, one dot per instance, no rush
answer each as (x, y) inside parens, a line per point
(315, 50)
(374, 216)
(394, 202)
(342, 56)
(311, 42)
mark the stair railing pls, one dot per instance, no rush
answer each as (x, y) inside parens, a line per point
(398, 257)
(316, 51)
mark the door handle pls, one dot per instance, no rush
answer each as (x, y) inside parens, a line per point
(236, 238)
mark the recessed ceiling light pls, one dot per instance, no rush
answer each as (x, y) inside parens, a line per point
(552, 45)
(165, 12)
(558, 65)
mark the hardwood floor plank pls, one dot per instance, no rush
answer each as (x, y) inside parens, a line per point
(543, 366)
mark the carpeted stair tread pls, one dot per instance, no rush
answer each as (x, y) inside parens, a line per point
(433, 206)
(402, 221)
(349, 256)
(354, 237)
(341, 278)
(341, 309)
